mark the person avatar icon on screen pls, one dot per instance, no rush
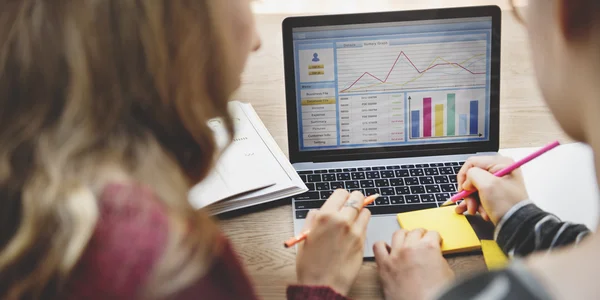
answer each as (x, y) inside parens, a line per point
(316, 57)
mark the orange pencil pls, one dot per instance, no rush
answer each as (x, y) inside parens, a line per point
(301, 237)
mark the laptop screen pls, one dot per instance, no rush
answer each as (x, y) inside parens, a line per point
(393, 84)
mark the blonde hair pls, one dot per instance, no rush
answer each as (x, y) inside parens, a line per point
(86, 84)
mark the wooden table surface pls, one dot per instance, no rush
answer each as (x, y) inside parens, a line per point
(258, 235)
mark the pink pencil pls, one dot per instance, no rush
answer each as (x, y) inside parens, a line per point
(506, 171)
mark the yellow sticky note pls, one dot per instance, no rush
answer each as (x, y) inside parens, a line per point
(493, 255)
(456, 231)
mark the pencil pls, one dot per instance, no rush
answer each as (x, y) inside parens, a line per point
(506, 171)
(302, 236)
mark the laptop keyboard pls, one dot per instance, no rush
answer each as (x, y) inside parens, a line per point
(402, 188)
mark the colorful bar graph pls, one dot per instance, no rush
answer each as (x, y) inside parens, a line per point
(426, 117)
(451, 111)
(462, 124)
(439, 120)
(474, 117)
(415, 115)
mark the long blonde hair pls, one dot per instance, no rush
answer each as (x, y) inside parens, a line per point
(86, 84)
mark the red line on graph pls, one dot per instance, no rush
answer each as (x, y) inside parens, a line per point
(412, 64)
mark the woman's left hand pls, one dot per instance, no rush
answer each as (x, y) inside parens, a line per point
(413, 267)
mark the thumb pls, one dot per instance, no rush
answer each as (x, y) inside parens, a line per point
(381, 251)
(479, 179)
(309, 219)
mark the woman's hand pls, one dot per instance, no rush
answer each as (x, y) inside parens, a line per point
(413, 268)
(332, 254)
(496, 195)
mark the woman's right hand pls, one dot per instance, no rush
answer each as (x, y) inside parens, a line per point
(332, 254)
(496, 195)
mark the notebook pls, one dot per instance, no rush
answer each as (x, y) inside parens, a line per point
(251, 171)
(456, 231)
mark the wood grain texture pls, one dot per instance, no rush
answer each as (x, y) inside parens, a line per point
(258, 236)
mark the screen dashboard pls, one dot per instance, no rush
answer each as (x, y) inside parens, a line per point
(393, 84)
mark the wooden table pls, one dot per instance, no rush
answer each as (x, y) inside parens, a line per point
(258, 236)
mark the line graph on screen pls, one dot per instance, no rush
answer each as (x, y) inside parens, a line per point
(409, 67)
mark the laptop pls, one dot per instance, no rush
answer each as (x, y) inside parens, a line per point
(390, 103)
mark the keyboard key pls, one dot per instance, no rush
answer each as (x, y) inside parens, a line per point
(441, 179)
(326, 194)
(320, 171)
(452, 179)
(387, 191)
(308, 196)
(416, 172)
(314, 178)
(304, 172)
(431, 189)
(367, 184)
(417, 190)
(461, 163)
(402, 190)
(442, 197)
(349, 170)
(422, 166)
(446, 171)
(392, 167)
(335, 170)
(358, 175)
(301, 214)
(427, 198)
(308, 204)
(382, 183)
(431, 171)
(328, 177)
(343, 176)
(387, 174)
(310, 186)
(456, 169)
(448, 164)
(396, 209)
(364, 169)
(397, 200)
(426, 180)
(408, 166)
(373, 175)
(436, 165)
(396, 182)
(378, 168)
(352, 184)
(382, 201)
(337, 185)
(411, 181)
(411, 199)
(322, 186)
(455, 163)
(402, 173)
(447, 188)
(369, 192)
(303, 177)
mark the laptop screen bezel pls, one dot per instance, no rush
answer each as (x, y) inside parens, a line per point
(491, 145)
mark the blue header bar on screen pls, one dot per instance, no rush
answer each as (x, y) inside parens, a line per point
(320, 33)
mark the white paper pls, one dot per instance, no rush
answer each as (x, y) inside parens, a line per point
(562, 181)
(252, 170)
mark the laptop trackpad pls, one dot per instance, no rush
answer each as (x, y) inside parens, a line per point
(380, 228)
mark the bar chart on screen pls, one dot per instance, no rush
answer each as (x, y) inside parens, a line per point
(444, 115)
